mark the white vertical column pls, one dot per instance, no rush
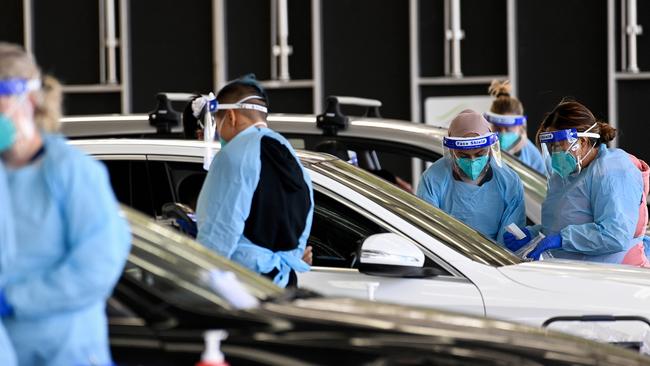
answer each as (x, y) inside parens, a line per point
(28, 29)
(612, 103)
(633, 29)
(125, 54)
(456, 36)
(283, 34)
(512, 44)
(219, 56)
(414, 44)
(111, 42)
(102, 41)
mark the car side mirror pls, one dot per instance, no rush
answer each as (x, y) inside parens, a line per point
(392, 255)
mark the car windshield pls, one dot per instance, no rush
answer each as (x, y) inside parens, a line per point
(175, 267)
(426, 217)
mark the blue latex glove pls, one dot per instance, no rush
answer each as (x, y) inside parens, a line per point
(549, 242)
(513, 244)
(5, 308)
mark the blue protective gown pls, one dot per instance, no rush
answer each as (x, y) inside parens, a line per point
(596, 211)
(73, 246)
(487, 208)
(7, 254)
(224, 204)
(531, 156)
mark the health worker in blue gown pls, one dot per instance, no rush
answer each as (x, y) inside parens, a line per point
(71, 242)
(507, 118)
(7, 252)
(256, 204)
(595, 207)
(471, 183)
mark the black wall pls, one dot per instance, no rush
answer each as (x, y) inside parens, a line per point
(562, 52)
(366, 52)
(562, 47)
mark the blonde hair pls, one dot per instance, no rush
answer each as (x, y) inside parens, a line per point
(15, 62)
(504, 103)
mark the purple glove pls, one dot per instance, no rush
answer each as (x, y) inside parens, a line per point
(513, 244)
(549, 242)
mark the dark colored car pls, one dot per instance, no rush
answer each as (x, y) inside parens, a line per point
(163, 304)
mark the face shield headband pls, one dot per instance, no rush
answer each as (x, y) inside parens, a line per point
(214, 105)
(10, 87)
(504, 120)
(570, 135)
(470, 143)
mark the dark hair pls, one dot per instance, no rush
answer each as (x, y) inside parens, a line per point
(243, 87)
(503, 102)
(571, 114)
(190, 123)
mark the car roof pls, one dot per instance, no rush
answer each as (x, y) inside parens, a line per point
(170, 147)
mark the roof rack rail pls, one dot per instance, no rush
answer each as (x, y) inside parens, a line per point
(333, 120)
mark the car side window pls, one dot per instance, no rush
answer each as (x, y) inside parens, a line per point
(337, 232)
(130, 183)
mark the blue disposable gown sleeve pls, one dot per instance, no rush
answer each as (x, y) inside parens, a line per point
(515, 208)
(7, 234)
(429, 188)
(225, 199)
(97, 237)
(615, 203)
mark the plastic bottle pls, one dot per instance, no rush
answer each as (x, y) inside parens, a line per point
(212, 356)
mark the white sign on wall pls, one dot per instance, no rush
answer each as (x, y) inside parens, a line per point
(439, 111)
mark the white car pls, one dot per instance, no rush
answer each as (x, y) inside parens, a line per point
(373, 240)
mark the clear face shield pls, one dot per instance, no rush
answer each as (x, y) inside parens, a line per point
(561, 150)
(471, 156)
(19, 88)
(506, 126)
(206, 107)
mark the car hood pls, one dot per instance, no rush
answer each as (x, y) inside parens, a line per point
(389, 327)
(573, 276)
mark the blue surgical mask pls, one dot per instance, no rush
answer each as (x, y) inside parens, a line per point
(563, 163)
(7, 132)
(508, 139)
(472, 167)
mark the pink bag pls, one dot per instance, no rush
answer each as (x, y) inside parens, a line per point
(636, 255)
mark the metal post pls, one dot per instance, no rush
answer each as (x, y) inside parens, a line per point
(28, 29)
(102, 41)
(623, 36)
(447, 15)
(317, 55)
(283, 50)
(612, 103)
(219, 59)
(414, 42)
(633, 29)
(456, 35)
(125, 55)
(512, 44)
(111, 43)
(274, 39)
